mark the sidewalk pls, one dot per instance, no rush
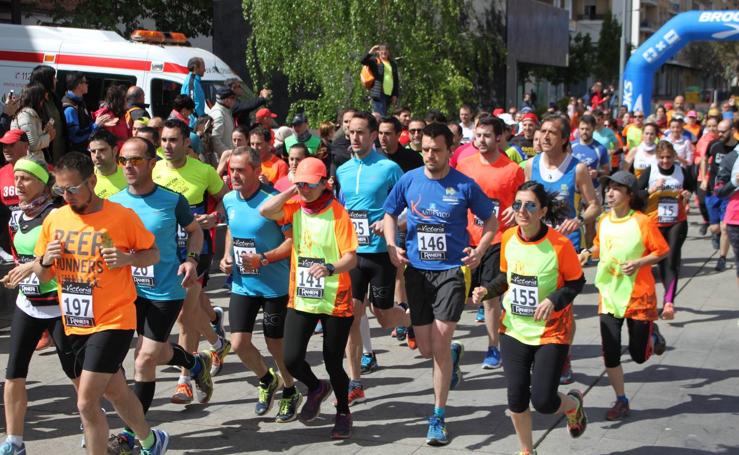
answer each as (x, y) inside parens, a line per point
(684, 402)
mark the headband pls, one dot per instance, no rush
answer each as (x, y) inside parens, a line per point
(32, 168)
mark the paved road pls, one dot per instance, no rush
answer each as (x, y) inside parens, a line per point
(684, 402)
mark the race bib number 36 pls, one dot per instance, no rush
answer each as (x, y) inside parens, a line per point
(77, 307)
(308, 286)
(667, 210)
(244, 246)
(360, 220)
(524, 294)
(431, 242)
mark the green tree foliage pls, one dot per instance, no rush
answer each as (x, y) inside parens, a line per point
(716, 59)
(605, 66)
(318, 44)
(191, 17)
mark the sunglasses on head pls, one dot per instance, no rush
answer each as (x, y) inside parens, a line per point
(134, 160)
(530, 206)
(310, 186)
(73, 190)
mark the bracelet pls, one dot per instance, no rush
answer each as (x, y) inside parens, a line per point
(41, 261)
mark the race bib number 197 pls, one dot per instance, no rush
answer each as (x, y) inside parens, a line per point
(77, 307)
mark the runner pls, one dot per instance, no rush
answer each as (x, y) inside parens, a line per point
(631, 244)
(193, 179)
(498, 177)
(36, 307)
(669, 186)
(104, 151)
(642, 156)
(681, 142)
(728, 177)
(522, 146)
(89, 246)
(320, 287)
(437, 258)
(161, 287)
(259, 250)
(365, 181)
(540, 270)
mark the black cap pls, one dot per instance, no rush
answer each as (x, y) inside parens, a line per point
(224, 92)
(299, 118)
(624, 178)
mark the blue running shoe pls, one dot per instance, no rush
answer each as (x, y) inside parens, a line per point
(8, 448)
(480, 316)
(401, 333)
(457, 353)
(369, 362)
(437, 434)
(161, 441)
(492, 359)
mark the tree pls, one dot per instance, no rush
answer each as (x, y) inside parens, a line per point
(318, 44)
(191, 17)
(606, 58)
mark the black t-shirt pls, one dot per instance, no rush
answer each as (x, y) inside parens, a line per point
(717, 150)
(406, 158)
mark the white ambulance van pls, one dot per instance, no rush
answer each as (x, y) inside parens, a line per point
(155, 61)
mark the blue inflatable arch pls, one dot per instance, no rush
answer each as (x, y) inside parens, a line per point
(666, 42)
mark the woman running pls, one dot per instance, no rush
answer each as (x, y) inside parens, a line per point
(542, 275)
(669, 186)
(628, 243)
(642, 156)
(37, 306)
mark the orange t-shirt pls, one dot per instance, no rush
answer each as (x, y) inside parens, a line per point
(274, 169)
(499, 182)
(93, 297)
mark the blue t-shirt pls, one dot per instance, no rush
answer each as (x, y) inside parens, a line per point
(437, 216)
(593, 155)
(253, 233)
(161, 211)
(365, 184)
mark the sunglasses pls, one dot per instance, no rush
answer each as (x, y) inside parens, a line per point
(310, 186)
(530, 206)
(134, 160)
(73, 190)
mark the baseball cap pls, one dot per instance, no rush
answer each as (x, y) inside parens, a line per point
(530, 116)
(310, 170)
(224, 92)
(692, 114)
(624, 178)
(13, 136)
(264, 113)
(299, 118)
(507, 119)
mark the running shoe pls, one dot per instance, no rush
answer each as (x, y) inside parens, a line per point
(8, 448)
(492, 359)
(566, 377)
(204, 381)
(715, 241)
(618, 411)
(401, 333)
(411, 339)
(267, 394)
(121, 443)
(312, 406)
(218, 325)
(577, 420)
(437, 434)
(356, 394)
(703, 229)
(480, 316)
(457, 353)
(369, 362)
(161, 441)
(342, 426)
(44, 342)
(217, 357)
(319, 328)
(289, 408)
(721, 264)
(182, 394)
(658, 342)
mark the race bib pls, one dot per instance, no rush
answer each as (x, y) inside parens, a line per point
(496, 212)
(181, 237)
(667, 210)
(144, 276)
(77, 307)
(30, 285)
(360, 220)
(431, 242)
(308, 286)
(15, 218)
(524, 294)
(242, 246)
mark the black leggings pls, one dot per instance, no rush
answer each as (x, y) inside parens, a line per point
(669, 267)
(25, 333)
(547, 359)
(639, 334)
(701, 197)
(299, 327)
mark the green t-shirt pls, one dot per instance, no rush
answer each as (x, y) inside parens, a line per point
(108, 185)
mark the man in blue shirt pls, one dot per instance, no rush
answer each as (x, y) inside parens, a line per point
(437, 257)
(193, 87)
(160, 287)
(79, 122)
(256, 255)
(365, 181)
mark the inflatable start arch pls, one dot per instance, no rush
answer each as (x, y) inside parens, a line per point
(666, 42)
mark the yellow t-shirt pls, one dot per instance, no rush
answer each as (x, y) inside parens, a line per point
(108, 185)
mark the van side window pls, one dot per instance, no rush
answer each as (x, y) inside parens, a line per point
(98, 84)
(162, 95)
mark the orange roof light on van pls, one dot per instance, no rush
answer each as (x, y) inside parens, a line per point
(177, 38)
(148, 36)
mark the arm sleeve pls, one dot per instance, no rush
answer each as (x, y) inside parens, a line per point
(567, 293)
(182, 211)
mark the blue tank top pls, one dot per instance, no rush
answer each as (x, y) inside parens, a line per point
(566, 189)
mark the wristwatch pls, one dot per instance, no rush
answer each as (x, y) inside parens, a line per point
(193, 255)
(263, 259)
(581, 220)
(331, 269)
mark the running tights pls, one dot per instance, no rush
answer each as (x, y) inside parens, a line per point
(669, 267)
(300, 326)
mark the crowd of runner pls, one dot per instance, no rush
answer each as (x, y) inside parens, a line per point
(408, 216)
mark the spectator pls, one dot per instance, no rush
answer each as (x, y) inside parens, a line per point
(466, 122)
(193, 87)
(243, 108)
(46, 76)
(302, 134)
(182, 108)
(79, 122)
(28, 119)
(384, 91)
(327, 130)
(223, 123)
(281, 134)
(135, 105)
(8, 108)
(114, 106)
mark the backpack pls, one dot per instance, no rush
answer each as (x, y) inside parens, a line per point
(367, 78)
